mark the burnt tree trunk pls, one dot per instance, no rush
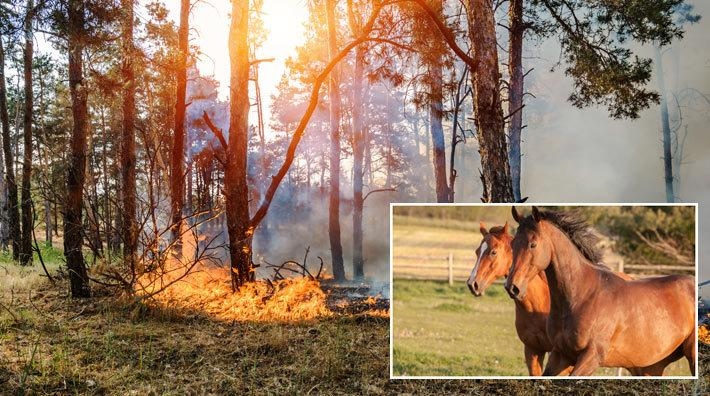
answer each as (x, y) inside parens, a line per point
(73, 234)
(12, 208)
(665, 128)
(336, 247)
(25, 193)
(129, 226)
(235, 172)
(515, 92)
(177, 182)
(488, 113)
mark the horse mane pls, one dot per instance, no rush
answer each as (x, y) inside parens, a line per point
(582, 235)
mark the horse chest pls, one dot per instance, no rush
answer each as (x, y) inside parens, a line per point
(567, 332)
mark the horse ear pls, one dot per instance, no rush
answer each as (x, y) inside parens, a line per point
(482, 228)
(536, 214)
(516, 216)
(505, 228)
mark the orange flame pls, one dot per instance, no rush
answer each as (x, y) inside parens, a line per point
(207, 289)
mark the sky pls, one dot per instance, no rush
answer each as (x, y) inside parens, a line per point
(569, 154)
(209, 21)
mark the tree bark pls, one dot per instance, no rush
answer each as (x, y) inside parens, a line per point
(359, 143)
(12, 207)
(129, 225)
(436, 128)
(177, 182)
(436, 115)
(515, 92)
(488, 113)
(73, 235)
(336, 247)
(235, 173)
(665, 127)
(359, 136)
(25, 193)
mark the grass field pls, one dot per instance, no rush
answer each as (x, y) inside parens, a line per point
(51, 344)
(442, 330)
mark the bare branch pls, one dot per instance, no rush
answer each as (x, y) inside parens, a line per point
(215, 130)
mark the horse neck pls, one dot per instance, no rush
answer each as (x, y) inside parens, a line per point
(537, 297)
(570, 277)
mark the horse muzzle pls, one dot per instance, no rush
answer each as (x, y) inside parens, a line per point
(514, 291)
(473, 287)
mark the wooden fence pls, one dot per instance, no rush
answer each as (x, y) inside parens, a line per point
(450, 268)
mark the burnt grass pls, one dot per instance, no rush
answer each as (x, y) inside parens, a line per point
(52, 344)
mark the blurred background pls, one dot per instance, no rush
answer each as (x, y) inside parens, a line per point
(441, 329)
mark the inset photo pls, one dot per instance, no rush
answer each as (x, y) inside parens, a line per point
(521, 291)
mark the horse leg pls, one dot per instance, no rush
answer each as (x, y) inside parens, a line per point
(689, 350)
(557, 364)
(587, 362)
(534, 360)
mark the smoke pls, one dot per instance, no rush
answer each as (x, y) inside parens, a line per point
(573, 155)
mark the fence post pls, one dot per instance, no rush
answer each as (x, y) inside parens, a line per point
(451, 269)
(621, 265)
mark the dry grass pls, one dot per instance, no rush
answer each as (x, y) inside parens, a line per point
(57, 345)
(208, 290)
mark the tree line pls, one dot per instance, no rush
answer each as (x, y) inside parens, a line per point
(377, 87)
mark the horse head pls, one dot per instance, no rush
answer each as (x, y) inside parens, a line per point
(532, 252)
(493, 258)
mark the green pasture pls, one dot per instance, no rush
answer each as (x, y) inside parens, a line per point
(442, 330)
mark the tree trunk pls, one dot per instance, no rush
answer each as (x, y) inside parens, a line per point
(11, 208)
(336, 248)
(359, 132)
(665, 127)
(457, 138)
(436, 116)
(359, 142)
(73, 235)
(515, 91)
(177, 182)
(47, 223)
(129, 225)
(25, 193)
(488, 114)
(235, 173)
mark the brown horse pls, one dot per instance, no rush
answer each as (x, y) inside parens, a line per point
(598, 319)
(494, 257)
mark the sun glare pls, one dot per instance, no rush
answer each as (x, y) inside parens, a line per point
(283, 21)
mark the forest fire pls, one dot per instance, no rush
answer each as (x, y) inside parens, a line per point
(203, 285)
(208, 290)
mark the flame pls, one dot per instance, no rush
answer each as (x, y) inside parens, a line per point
(203, 287)
(208, 290)
(704, 334)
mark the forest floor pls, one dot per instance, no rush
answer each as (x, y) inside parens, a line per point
(51, 344)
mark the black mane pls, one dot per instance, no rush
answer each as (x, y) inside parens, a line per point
(573, 224)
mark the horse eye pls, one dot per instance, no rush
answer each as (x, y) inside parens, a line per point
(533, 245)
(493, 252)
